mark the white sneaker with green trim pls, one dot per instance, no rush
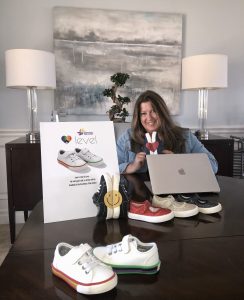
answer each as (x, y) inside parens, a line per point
(89, 157)
(130, 256)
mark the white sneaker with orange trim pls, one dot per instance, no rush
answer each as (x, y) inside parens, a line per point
(79, 268)
(70, 160)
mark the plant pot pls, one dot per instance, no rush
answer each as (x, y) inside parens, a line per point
(119, 120)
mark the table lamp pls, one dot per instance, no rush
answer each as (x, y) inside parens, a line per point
(203, 73)
(31, 70)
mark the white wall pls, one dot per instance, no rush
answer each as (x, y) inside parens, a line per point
(210, 26)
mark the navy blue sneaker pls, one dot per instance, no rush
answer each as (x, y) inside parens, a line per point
(205, 206)
(124, 192)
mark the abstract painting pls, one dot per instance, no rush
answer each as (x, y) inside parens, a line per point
(93, 44)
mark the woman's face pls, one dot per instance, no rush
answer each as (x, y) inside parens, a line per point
(149, 118)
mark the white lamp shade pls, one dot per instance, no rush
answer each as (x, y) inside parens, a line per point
(30, 68)
(208, 71)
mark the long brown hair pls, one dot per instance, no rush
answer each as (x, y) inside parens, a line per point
(169, 132)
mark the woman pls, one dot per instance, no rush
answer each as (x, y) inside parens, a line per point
(151, 114)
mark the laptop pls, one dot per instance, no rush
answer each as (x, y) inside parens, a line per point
(181, 173)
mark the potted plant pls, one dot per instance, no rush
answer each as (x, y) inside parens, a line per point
(117, 112)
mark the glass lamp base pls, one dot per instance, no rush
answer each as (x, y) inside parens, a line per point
(33, 137)
(202, 134)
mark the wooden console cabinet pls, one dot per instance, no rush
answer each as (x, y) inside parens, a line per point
(223, 150)
(24, 178)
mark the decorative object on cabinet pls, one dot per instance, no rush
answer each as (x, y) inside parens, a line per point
(24, 178)
(31, 70)
(203, 73)
(117, 112)
(92, 44)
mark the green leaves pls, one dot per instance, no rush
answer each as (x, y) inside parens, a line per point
(107, 92)
(117, 110)
(120, 78)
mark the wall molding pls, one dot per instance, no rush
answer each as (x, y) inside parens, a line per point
(7, 135)
(10, 134)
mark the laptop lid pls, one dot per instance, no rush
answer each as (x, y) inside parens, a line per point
(181, 173)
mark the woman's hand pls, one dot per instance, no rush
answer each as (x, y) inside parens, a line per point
(137, 163)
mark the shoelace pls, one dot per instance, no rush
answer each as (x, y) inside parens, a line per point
(99, 188)
(114, 248)
(88, 261)
(194, 198)
(88, 153)
(124, 245)
(73, 157)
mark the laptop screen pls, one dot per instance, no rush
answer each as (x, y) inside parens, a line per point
(181, 173)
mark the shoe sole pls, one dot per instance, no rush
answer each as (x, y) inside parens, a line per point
(136, 270)
(88, 288)
(74, 168)
(186, 214)
(95, 164)
(210, 210)
(151, 219)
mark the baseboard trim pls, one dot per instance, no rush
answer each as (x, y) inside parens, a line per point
(4, 219)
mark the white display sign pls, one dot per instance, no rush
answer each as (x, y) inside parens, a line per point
(74, 156)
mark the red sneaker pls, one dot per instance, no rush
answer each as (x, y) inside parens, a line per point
(144, 211)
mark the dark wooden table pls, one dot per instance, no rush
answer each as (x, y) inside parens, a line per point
(202, 257)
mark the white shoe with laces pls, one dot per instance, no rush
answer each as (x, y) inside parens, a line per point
(70, 160)
(78, 267)
(180, 209)
(89, 157)
(130, 256)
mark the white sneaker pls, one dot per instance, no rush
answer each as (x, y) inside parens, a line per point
(78, 267)
(180, 209)
(70, 160)
(130, 256)
(89, 157)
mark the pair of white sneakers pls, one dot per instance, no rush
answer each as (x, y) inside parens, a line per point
(78, 159)
(93, 271)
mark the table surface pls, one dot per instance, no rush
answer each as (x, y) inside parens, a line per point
(202, 256)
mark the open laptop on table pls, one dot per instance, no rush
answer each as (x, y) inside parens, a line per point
(181, 173)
